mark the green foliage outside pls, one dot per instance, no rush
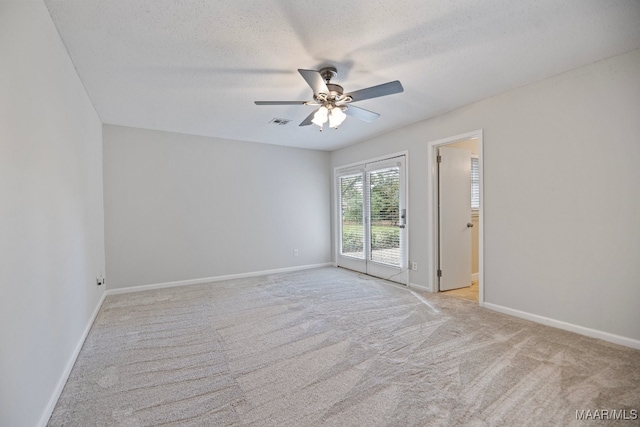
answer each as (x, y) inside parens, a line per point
(385, 237)
(384, 197)
(382, 237)
(351, 238)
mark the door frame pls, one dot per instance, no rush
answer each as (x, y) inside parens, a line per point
(336, 211)
(432, 213)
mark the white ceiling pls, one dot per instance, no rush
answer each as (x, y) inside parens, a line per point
(196, 66)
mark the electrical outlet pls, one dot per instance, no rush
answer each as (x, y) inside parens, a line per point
(295, 252)
(100, 279)
(414, 265)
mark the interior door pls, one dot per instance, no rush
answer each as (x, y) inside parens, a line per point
(454, 217)
(373, 219)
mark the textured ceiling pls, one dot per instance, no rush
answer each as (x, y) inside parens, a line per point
(196, 66)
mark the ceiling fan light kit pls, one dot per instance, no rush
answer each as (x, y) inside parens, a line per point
(334, 104)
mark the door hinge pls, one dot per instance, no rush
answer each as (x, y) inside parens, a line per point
(439, 158)
(439, 273)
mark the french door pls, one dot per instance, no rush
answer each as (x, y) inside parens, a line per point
(372, 217)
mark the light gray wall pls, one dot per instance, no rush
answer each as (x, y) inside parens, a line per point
(51, 212)
(181, 207)
(561, 195)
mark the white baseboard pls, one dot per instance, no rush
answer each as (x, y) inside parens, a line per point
(44, 419)
(474, 277)
(420, 287)
(213, 279)
(593, 333)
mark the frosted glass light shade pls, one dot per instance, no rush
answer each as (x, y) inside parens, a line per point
(320, 117)
(336, 117)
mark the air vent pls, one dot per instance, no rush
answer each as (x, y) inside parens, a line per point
(280, 122)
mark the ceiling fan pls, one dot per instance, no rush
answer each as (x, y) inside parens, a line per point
(334, 104)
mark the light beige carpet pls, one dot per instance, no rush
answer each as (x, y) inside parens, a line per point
(329, 347)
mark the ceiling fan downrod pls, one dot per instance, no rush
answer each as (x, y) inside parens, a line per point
(328, 73)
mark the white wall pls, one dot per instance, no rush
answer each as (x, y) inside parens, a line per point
(182, 207)
(561, 194)
(51, 213)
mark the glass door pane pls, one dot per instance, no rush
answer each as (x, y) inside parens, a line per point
(352, 216)
(384, 205)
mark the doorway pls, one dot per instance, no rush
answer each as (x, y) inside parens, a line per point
(456, 226)
(372, 218)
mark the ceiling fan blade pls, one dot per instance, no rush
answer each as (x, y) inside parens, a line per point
(307, 121)
(280, 102)
(315, 80)
(361, 113)
(376, 91)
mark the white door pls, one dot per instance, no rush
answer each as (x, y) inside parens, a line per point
(454, 217)
(372, 219)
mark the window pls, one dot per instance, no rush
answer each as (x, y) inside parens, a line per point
(475, 184)
(384, 213)
(352, 242)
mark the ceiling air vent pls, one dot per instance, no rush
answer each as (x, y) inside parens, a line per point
(280, 122)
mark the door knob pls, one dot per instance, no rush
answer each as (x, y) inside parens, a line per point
(469, 225)
(403, 218)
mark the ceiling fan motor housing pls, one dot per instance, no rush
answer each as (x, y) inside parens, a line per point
(335, 91)
(336, 94)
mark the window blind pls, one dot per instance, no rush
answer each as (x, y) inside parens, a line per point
(475, 183)
(352, 215)
(384, 202)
